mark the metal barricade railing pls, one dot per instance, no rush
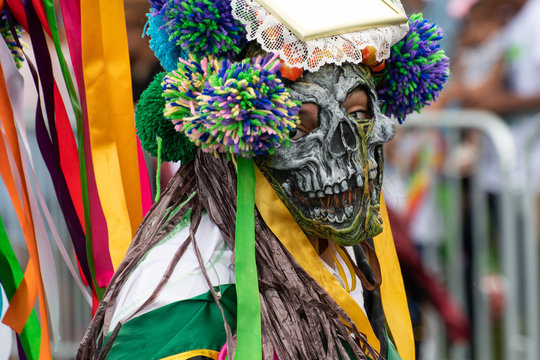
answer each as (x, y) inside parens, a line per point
(520, 334)
(530, 249)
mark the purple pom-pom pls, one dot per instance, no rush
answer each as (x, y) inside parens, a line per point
(157, 5)
(416, 71)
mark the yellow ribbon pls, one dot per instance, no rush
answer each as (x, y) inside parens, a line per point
(394, 301)
(111, 119)
(393, 296)
(193, 353)
(283, 225)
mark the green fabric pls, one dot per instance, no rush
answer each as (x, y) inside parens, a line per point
(247, 283)
(392, 351)
(11, 276)
(182, 326)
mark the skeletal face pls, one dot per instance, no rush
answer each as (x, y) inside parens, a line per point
(331, 175)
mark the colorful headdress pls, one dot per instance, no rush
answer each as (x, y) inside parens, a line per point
(198, 42)
(222, 103)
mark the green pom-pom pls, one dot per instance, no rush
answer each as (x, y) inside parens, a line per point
(151, 124)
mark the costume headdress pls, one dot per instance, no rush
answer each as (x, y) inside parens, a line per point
(237, 108)
(222, 103)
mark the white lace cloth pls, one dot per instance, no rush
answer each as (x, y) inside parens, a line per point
(273, 36)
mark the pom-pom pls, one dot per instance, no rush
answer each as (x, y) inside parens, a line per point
(13, 46)
(158, 5)
(415, 72)
(242, 108)
(167, 52)
(151, 124)
(205, 27)
(182, 86)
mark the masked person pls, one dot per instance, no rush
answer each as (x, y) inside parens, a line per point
(249, 250)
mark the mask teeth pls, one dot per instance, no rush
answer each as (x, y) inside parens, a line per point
(286, 186)
(336, 207)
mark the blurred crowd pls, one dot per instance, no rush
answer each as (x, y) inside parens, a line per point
(494, 47)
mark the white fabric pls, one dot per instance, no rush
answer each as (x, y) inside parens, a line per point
(187, 280)
(358, 293)
(521, 38)
(274, 37)
(478, 62)
(6, 334)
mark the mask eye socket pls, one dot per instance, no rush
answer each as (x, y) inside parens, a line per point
(296, 133)
(309, 120)
(360, 115)
(358, 105)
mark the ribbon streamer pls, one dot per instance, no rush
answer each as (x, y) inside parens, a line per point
(31, 285)
(287, 230)
(11, 276)
(146, 193)
(110, 116)
(47, 265)
(394, 300)
(48, 141)
(14, 83)
(97, 237)
(248, 327)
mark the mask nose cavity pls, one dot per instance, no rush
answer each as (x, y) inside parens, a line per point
(343, 139)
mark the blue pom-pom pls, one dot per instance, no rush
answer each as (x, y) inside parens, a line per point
(416, 71)
(167, 52)
(205, 27)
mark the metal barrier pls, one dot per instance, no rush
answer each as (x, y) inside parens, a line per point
(520, 334)
(530, 248)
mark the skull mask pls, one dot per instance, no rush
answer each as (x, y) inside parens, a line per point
(331, 175)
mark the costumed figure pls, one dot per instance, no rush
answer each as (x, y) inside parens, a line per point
(272, 239)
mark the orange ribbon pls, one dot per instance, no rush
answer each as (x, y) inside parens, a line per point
(394, 300)
(23, 301)
(111, 120)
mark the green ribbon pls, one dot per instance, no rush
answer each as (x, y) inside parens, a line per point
(158, 169)
(11, 275)
(247, 284)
